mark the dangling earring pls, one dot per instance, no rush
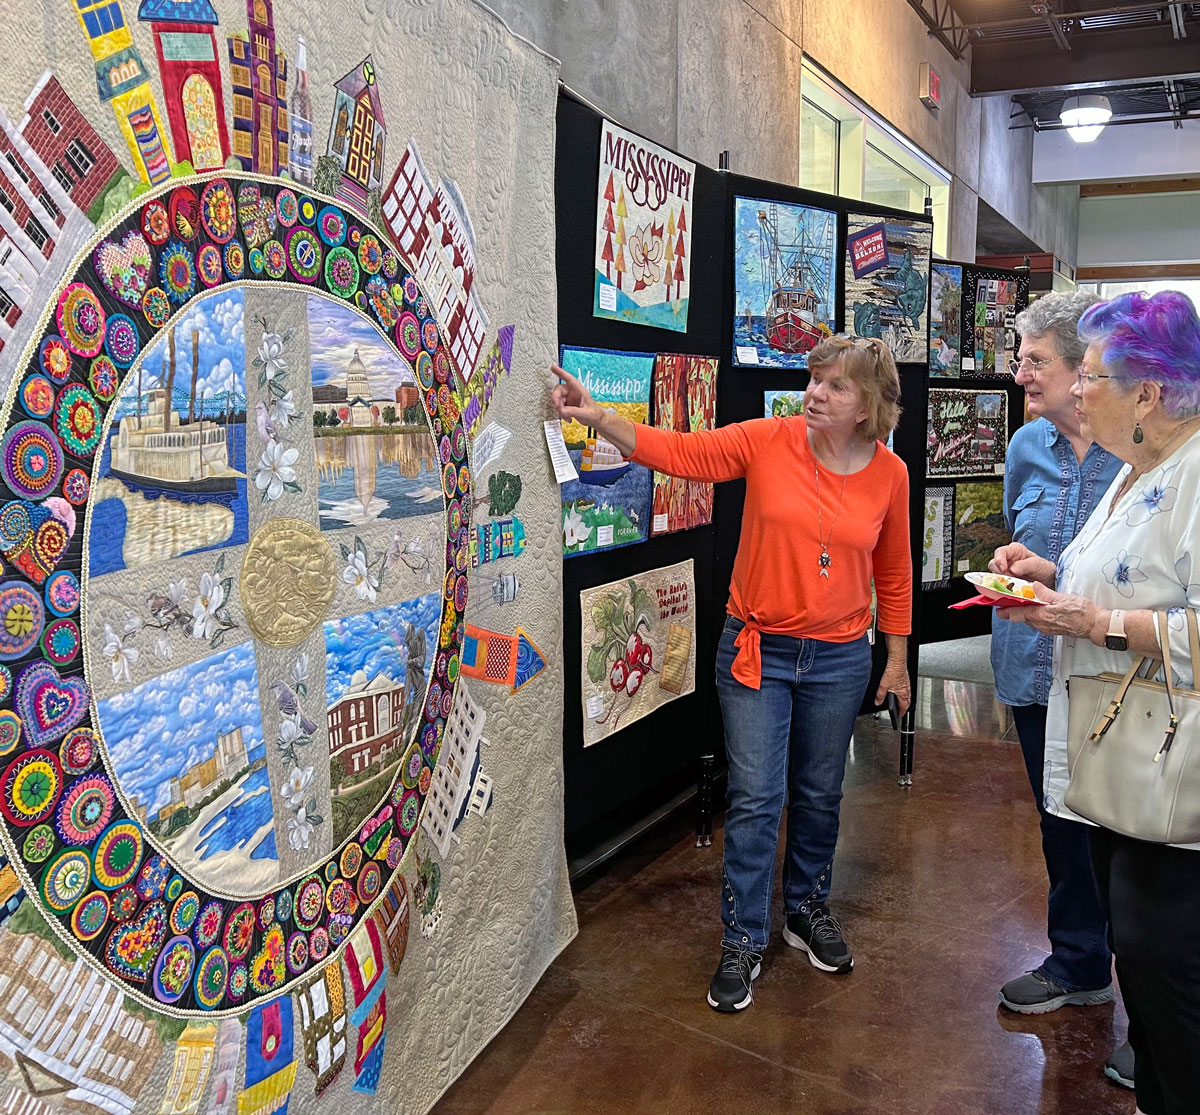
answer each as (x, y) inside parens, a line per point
(1137, 433)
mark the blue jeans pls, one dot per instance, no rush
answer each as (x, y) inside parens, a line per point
(786, 740)
(1079, 958)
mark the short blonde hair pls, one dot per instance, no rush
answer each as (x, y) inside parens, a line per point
(868, 363)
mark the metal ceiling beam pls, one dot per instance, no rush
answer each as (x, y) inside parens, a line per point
(1033, 23)
(1178, 27)
(1024, 66)
(944, 25)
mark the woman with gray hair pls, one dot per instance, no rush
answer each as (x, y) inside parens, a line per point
(1054, 477)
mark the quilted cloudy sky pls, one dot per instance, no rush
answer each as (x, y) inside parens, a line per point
(157, 730)
(218, 319)
(374, 642)
(334, 332)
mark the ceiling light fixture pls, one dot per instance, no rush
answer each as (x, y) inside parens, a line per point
(1085, 116)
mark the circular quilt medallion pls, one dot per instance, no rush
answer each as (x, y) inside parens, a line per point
(121, 340)
(184, 211)
(81, 320)
(90, 916)
(54, 358)
(180, 881)
(235, 259)
(341, 272)
(156, 224)
(208, 265)
(37, 396)
(287, 209)
(218, 211)
(103, 377)
(10, 727)
(60, 641)
(21, 620)
(274, 259)
(177, 272)
(31, 786)
(116, 854)
(156, 306)
(304, 254)
(85, 809)
(77, 420)
(212, 978)
(78, 750)
(331, 224)
(66, 880)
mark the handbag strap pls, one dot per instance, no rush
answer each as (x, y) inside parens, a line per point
(1194, 645)
(1114, 706)
(1164, 642)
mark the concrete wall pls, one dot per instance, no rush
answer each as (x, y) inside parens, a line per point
(1145, 228)
(1122, 153)
(703, 76)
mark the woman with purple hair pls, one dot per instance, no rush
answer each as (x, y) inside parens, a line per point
(1138, 396)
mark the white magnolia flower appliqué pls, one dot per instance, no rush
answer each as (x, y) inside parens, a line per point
(276, 470)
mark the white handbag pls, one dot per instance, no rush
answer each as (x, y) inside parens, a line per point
(1130, 743)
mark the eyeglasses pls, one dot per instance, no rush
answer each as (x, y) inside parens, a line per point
(1085, 379)
(1035, 366)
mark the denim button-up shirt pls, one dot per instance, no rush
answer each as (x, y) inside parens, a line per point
(1048, 496)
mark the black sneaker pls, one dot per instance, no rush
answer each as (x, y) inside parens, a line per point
(1036, 993)
(1119, 1067)
(732, 987)
(819, 934)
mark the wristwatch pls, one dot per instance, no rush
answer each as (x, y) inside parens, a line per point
(1115, 639)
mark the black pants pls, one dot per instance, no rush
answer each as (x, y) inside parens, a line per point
(1151, 894)
(1079, 958)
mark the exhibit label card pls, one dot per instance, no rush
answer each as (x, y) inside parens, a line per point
(609, 505)
(643, 232)
(639, 647)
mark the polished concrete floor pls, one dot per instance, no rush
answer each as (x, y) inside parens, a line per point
(942, 891)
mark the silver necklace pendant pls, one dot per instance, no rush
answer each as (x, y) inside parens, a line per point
(826, 562)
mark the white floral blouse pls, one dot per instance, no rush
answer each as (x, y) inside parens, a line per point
(1143, 554)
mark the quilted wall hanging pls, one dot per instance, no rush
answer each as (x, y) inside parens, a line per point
(268, 839)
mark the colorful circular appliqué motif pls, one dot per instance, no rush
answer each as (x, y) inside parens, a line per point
(156, 306)
(66, 880)
(21, 620)
(208, 265)
(218, 211)
(89, 918)
(54, 358)
(235, 259)
(331, 224)
(77, 420)
(80, 320)
(304, 254)
(37, 396)
(156, 224)
(177, 272)
(341, 272)
(103, 378)
(121, 340)
(116, 854)
(31, 786)
(60, 641)
(86, 807)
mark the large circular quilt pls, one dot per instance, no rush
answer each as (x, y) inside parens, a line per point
(233, 558)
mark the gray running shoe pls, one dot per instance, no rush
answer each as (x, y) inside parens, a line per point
(1036, 993)
(732, 987)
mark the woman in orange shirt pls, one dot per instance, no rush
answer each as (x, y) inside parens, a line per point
(826, 512)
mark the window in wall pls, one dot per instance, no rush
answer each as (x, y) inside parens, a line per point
(36, 233)
(63, 177)
(5, 200)
(80, 158)
(6, 303)
(48, 204)
(16, 166)
(51, 122)
(872, 161)
(819, 146)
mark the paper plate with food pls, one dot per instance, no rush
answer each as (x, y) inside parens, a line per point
(1003, 589)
